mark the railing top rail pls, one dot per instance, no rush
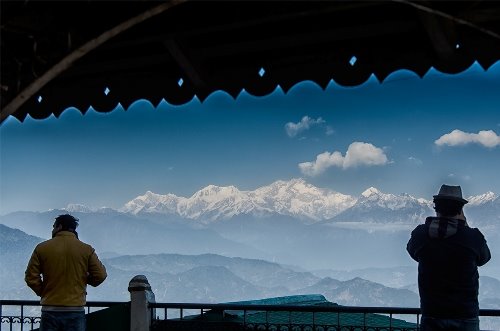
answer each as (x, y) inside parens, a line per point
(299, 308)
(37, 303)
(489, 312)
(253, 307)
(302, 308)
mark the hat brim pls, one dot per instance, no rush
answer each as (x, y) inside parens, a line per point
(448, 197)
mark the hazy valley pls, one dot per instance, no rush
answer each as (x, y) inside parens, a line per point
(224, 245)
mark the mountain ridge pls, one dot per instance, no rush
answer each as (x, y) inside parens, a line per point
(217, 278)
(296, 198)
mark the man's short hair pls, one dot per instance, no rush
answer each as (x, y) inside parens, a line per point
(67, 222)
(447, 207)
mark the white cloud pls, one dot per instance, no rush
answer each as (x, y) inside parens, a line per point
(358, 154)
(457, 137)
(293, 129)
(323, 161)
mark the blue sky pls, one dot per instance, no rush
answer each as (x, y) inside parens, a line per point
(407, 134)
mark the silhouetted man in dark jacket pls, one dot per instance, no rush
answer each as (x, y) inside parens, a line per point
(448, 253)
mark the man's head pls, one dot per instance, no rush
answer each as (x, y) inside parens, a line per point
(449, 201)
(65, 222)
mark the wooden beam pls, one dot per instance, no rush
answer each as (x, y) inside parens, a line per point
(441, 32)
(455, 19)
(68, 61)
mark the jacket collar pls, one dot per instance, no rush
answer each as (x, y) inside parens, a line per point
(443, 227)
(65, 234)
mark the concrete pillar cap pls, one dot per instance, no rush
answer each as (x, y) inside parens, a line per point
(139, 283)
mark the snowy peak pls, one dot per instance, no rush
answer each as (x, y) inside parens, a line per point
(152, 202)
(284, 190)
(373, 197)
(297, 185)
(214, 203)
(478, 200)
(77, 208)
(80, 208)
(215, 193)
(373, 194)
(300, 199)
(376, 207)
(372, 191)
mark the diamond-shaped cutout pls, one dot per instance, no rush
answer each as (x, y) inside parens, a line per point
(180, 82)
(262, 72)
(39, 99)
(106, 91)
(353, 60)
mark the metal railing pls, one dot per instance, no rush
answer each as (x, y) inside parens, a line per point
(18, 318)
(198, 316)
(193, 316)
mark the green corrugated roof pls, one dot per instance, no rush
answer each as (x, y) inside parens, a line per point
(326, 318)
(305, 318)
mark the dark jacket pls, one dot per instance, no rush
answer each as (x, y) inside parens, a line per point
(448, 253)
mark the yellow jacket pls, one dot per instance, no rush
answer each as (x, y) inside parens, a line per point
(60, 269)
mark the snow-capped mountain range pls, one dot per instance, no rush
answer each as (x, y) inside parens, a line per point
(295, 198)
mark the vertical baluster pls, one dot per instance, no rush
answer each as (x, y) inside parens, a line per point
(22, 317)
(390, 321)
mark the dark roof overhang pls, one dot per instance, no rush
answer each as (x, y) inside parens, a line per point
(60, 54)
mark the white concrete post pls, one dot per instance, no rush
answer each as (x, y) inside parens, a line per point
(140, 296)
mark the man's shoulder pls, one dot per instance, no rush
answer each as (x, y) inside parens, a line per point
(45, 243)
(473, 232)
(87, 246)
(82, 244)
(420, 228)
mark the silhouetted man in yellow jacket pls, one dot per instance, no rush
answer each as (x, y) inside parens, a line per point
(59, 271)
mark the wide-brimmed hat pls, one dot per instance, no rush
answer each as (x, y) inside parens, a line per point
(449, 192)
